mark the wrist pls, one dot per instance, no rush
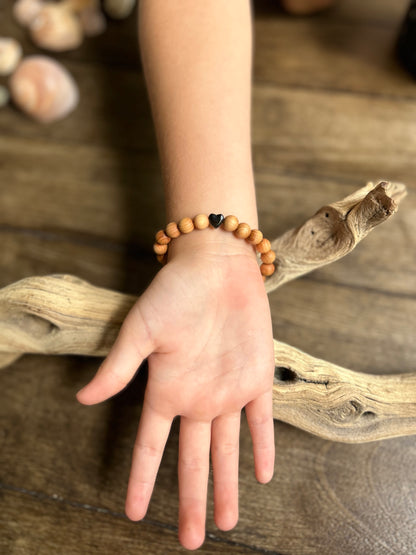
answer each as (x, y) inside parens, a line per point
(210, 241)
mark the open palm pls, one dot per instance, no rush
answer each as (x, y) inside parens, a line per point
(204, 324)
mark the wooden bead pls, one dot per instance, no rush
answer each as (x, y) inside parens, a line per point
(263, 246)
(161, 258)
(230, 223)
(172, 230)
(160, 249)
(264, 277)
(186, 225)
(268, 257)
(242, 231)
(267, 269)
(255, 237)
(201, 221)
(162, 238)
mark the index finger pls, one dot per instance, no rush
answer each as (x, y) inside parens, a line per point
(148, 449)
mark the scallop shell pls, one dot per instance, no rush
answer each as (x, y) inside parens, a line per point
(43, 89)
(119, 9)
(56, 28)
(25, 11)
(10, 54)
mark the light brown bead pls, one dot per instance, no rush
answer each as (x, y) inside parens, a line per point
(161, 258)
(186, 225)
(242, 231)
(255, 237)
(264, 278)
(172, 230)
(201, 221)
(162, 238)
(230, 223)
(263, 246)
(268, 257)
(160, 249)
(267, 269)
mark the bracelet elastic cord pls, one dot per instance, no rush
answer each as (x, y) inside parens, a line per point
(229, 223)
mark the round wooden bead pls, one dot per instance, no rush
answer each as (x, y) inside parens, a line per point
(172, 230)
(230, 223)
(160, 249)
(242, 231)
(267, 269)
(268, 257)
(162, 238)
(201, 221)
(255, 237)
(161, 258)
(263, 246)
(186, 225)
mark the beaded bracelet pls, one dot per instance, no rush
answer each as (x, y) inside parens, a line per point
(229, 223)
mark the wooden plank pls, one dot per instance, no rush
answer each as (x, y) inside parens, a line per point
(315, 132)
(33, 523)
(106, 193)
(120, 267)
(78, 455)
(364, 330)
(331, 55)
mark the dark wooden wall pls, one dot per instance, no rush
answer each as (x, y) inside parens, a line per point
(331, 110)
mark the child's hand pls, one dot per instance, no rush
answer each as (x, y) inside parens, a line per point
(204, 324)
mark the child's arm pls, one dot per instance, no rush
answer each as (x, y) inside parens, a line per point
(204, 321)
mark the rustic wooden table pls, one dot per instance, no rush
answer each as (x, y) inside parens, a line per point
(331, 110)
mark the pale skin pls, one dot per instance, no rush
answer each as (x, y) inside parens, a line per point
(204, 322)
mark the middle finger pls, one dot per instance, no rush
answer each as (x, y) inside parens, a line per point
(193, 469)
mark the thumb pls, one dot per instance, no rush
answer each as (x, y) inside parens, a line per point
(133, 344)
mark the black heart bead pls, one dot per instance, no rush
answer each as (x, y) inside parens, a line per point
(216, 219)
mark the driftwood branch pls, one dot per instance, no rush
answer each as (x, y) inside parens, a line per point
(333, 231)
(62, 314)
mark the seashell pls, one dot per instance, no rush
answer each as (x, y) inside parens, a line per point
(119, 9)
(56, 28)
(10, 54)
(43, 89)
(93, 22)
(25, 11)
(4, 96)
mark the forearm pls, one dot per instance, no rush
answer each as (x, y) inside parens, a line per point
(197, 61)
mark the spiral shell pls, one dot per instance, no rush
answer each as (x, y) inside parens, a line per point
(10, 54)
(25, 11)
(43, 89)
(56, 28)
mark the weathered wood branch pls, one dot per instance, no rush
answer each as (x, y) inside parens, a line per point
(340, 404)
(62, 314)
(334, 231)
